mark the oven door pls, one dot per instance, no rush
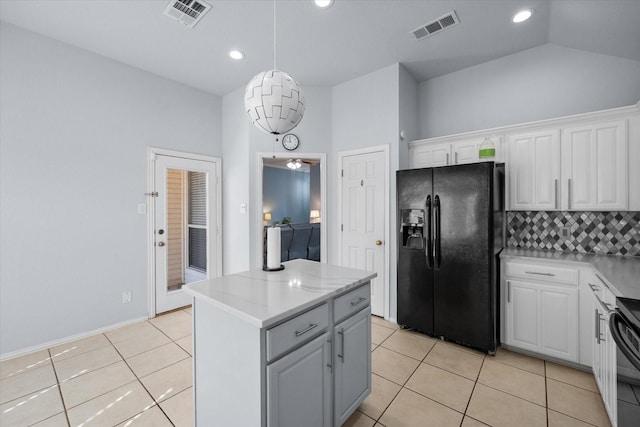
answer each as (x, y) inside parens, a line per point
(627, 340)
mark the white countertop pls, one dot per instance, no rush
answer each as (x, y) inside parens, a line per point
(264, 298)
(622, 273)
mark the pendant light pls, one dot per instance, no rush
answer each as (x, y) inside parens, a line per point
(273, 100)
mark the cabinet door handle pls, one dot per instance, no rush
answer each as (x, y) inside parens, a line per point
(358, 301)
(330, 364)
(597, 326)
(341, 333)
(456, 158)
(539, 274)
(447, 159)
(593, 287)
(508, 292)
(569, 193)
(602, 280)
(555, 189)
(307, 329)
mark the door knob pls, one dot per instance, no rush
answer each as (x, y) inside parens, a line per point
(378, 242)
(160, 243)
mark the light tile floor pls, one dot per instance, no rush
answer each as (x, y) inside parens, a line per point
(140, 375)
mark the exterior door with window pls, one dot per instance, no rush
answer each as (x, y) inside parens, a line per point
(184, 227)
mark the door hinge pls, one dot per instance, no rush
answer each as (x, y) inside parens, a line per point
(152, 194)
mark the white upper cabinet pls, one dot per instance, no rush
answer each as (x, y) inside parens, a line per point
(465, 152)
(584, 162)
(457, 152)
(594, 166)
(429, 155)
(533, 169)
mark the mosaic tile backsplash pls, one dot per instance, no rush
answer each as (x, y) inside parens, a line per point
(610, 233)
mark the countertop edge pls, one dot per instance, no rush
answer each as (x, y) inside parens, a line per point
(584, 260)
(266, 323)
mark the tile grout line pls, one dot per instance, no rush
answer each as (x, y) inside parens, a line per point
(475, 383)
(59, 386)
(546, 392)
(155, 403)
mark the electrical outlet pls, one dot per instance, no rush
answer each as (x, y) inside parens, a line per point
(565, 232)
(126, 297)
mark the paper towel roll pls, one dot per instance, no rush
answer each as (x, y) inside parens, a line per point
(273, 248)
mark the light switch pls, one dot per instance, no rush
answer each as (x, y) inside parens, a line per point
(142, 209)
(243, 208)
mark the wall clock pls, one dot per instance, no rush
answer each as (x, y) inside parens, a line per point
(290, 142)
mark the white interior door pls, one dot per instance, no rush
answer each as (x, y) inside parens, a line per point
(185, 227)
(364, 218)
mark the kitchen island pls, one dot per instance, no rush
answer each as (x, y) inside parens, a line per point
(283, 348)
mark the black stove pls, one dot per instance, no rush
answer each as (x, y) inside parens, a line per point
(624, 325)
(630, 309)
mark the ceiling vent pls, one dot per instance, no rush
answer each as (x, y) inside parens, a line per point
(187, 12)
(433, 27)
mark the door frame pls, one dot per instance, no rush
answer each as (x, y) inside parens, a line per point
(152, 152)
(258, 219)
(387, 210)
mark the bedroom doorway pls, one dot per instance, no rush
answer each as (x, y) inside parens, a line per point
(185, 222)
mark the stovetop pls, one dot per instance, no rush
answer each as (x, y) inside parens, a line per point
(630, 308)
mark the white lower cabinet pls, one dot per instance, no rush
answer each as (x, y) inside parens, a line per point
(352, 364)
(603, 347)
(291, 401)
(541, 309)
(542, 318)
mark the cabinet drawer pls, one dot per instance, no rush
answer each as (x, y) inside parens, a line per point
(296, 331)
(351, 302)
(542, 272)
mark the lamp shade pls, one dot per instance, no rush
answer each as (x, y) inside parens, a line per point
(274, 102)
(315, 213)
(267, 216)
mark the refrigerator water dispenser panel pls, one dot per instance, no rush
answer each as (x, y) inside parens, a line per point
(412, 228)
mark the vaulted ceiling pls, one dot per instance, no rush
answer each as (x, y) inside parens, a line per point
(324, 47)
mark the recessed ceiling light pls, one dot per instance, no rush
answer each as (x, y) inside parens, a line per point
(236, 54)
(523, 15)
(323, 3)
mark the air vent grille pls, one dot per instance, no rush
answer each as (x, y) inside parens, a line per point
(187, 12)
(435, 26)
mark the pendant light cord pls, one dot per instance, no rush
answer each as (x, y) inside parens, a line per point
(274, 35)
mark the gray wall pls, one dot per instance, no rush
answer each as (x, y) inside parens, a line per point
(286, 193)
(540, 83)
(74, 132)
(236, 166)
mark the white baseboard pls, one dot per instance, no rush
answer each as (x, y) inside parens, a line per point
(69, 339)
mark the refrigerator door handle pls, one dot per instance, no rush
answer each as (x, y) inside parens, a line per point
(436, 238)
(428, 247)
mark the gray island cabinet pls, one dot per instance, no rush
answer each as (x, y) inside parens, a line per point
(284, 348)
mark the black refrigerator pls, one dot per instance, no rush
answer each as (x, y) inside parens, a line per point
(451, 231)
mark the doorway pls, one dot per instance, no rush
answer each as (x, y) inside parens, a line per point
(185, 219)
(269, 167)
(364, 213)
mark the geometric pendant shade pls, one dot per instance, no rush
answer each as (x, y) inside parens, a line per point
(274, 102)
